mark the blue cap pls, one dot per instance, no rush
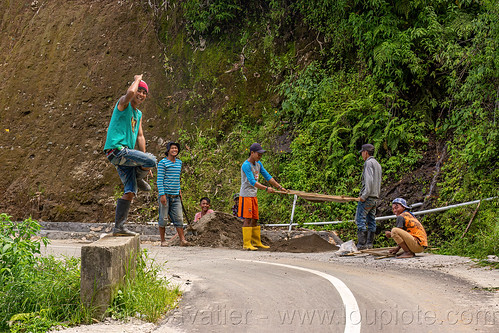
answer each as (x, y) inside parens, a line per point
(257, 147)
(401, 202)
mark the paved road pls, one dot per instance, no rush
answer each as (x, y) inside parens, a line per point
(237, 291)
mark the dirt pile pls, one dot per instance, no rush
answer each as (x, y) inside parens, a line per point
(217, 230)
(303, 244)
(223, 230)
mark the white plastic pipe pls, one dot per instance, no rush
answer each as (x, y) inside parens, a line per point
(381, 218)
(292, 213)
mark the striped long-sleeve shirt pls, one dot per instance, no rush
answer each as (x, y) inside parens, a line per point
(169, 176)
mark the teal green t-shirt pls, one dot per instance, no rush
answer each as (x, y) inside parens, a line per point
(123, 128)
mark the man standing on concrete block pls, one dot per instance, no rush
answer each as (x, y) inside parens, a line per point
(369, 195)
(125, 129)
(104, 265)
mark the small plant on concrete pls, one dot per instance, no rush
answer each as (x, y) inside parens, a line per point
(147, 295)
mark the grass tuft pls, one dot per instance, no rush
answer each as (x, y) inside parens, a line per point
(147, 296)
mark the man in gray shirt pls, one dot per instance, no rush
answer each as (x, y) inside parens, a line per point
(369, 195)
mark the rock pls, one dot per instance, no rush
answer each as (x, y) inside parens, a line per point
(492, 258)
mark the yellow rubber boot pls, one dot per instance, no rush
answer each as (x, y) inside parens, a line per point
(256, 238)
(247, 231)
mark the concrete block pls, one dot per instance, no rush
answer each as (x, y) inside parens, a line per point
(104, 265)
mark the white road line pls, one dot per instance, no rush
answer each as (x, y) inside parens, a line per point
(352, 312)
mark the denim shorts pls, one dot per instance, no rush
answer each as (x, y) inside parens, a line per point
(126, 161)
(173, 208)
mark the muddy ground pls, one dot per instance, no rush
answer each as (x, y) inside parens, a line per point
(63, 65)
(223, 230)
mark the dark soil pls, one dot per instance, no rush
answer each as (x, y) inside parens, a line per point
(223, 230)
(419, 186)
(217, 230)
(63, 66)
(303, 244)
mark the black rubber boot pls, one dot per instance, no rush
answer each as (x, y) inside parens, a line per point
(362, 239)
(370, 240)
(140, 174)
(122, 208)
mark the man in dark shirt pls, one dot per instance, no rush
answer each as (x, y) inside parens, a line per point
(368, 198)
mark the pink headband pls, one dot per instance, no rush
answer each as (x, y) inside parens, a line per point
(143, 85)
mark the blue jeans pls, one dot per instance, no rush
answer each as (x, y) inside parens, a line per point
(173, 208)
(126, 161)
(366, 212)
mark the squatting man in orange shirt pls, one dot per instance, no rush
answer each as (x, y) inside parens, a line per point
(408, 233)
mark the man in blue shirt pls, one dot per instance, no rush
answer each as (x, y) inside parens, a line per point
(125, 129)
(170, 202)
(248, 203)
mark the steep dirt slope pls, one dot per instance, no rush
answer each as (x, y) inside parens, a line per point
(62, 67)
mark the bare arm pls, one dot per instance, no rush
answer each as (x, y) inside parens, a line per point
(276, 184)
(260, 186)
(141, 140)
(268, 188)
(130, 93)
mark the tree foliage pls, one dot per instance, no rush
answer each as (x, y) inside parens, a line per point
(394, 73)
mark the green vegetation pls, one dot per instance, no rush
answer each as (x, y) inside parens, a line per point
(480, 240)
(411, 77)
(146, 296)
(37, 293)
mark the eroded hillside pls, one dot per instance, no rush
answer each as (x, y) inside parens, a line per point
(63, 64)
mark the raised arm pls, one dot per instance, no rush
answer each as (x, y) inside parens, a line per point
(130, 93)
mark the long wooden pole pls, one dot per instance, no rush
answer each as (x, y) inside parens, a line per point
(319, 197)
